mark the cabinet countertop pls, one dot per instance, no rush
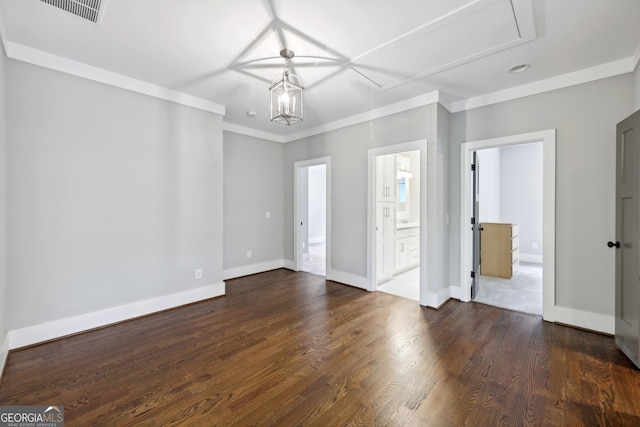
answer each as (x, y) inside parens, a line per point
(402, 226)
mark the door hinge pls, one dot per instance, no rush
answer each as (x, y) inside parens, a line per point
(473, 167)
(473, 274)
(473, 221)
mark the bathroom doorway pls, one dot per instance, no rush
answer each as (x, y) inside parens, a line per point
(397, 223)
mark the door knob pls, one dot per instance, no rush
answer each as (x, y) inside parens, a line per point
(611, 244)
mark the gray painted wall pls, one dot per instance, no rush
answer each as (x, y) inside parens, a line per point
(252, 186)
(317, 203)
(3, 207)
(348, 149)
(489, 183)
(585, 117)
(637, 87)
(113, 197)
(521, 193)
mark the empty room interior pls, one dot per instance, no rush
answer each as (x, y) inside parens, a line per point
(270, 212)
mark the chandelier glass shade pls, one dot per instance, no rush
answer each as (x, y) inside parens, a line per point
(287, 95)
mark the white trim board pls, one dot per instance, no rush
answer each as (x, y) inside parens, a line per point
(427, 297)
(610, 69)
(44, 59)
(347, 279)
(297, 249)
(548, 138)
(33, 56)
(247, 270)
(34, 334)
(4, 353)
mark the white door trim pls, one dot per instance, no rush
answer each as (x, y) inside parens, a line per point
(548, 138)
(297, 167)
(371, 210)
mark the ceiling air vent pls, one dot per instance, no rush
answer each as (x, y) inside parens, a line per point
(86, 9)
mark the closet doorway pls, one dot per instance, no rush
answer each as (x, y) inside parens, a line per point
(508, 222)
(312, 236)
(468, 223)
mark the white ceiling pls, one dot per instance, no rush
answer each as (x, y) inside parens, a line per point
(354, 56)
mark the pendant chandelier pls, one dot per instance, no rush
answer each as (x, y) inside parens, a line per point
(287, 95)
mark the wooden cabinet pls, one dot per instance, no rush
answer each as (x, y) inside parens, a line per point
(499, 249)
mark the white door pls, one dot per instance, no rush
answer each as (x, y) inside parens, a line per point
(628, 237)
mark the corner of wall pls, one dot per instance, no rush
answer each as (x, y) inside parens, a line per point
(4, 353)
(636, 74)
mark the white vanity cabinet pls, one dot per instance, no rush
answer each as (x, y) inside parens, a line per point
(407, 248)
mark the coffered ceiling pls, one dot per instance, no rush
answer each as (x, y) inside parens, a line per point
(353, 56)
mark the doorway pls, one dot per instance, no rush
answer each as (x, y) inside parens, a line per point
(312, 218)
(396, 212)
(508, 207)
(547, 247)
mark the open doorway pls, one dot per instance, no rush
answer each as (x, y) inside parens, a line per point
(312, 236)
(548, 138)
(508, 217)
(397, 223)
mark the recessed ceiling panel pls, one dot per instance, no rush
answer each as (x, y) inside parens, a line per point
(460, 37)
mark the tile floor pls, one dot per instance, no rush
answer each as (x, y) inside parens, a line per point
(316, 263)
(405, 285)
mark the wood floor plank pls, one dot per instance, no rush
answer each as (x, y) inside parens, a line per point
(284, 348)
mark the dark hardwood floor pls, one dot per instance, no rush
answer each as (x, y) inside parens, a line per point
(284, 349)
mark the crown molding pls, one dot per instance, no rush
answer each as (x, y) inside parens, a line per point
(243, 130)
(610, 69)
(636, 57)
(58, 63)
(387, 110)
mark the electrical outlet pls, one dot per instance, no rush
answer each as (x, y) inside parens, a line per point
(198, 274)
(267, 215)
(534, 246)
(249, 255)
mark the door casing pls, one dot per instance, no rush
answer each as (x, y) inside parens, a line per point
(297, 191)
(371, 211)
(548, 139)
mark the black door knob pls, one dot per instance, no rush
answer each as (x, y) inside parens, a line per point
(616, 244)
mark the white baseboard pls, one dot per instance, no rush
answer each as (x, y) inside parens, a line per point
(581, 319)
(246, 270)
(456, 292)
(348, 279)
(4, 352)
(288, 264)
(436, 299)
(59, 328)
(532, 258)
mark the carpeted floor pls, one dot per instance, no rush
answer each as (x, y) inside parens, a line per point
(523, 292)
